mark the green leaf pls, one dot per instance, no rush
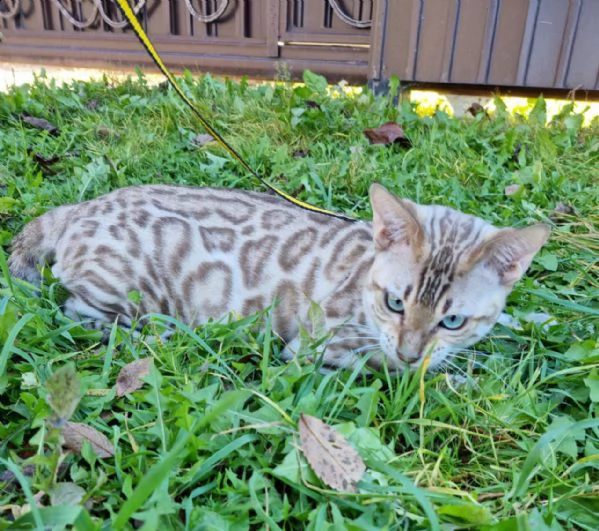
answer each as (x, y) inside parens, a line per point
(66, 493)
(470, 513)
(315, 82)
(7, 204)
(293, 468)
(51, 517)
(151, 481)
(534, 456)
(548, 261)
(592, 382)
(582, 351)
(64, 392)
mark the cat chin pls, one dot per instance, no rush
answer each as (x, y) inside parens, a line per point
(436, 360)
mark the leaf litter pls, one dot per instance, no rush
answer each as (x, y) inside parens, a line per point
(131, 376)
(387, 134)
(331, 456)
(40, 123)
(75, 434)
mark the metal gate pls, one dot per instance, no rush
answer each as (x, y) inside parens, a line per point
(480, 43)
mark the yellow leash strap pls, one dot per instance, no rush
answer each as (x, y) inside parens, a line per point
(145, 40)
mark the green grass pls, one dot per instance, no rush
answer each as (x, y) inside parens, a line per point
(507, 438)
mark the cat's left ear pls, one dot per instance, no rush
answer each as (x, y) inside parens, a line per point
(511, 251)
(394, 220)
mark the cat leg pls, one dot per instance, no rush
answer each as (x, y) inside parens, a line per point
(78, 309)
(94, 318)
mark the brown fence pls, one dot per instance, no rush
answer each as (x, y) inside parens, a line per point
(550, 44)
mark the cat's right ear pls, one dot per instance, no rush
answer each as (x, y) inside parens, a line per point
(394, 220)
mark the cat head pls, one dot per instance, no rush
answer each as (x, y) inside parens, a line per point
(440, 278)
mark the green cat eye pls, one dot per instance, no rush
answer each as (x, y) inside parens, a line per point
(453, 322)
(395, 304)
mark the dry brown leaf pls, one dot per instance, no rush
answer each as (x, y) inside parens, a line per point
(388, 134)
(40, 123)
(562, 212)
(103, 131)
(201, 140)
(331, 457)
(46, 162)
(476, 108)
(131, 376)
(76, 433)
(564, 208)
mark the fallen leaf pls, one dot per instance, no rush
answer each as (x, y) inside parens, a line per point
(201, 140)
(387, 134)
(40, 123)
(476, 108)
(76, 433)
(561, 212)
(104, 131)
(331, 457)
(45, 161)
(66, 493)
(64, 392)
(130, 377)
(20, 510)
(512, 189)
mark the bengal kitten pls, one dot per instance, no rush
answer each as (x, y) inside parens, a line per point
(418, 280)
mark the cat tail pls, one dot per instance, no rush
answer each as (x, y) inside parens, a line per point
(36, 244)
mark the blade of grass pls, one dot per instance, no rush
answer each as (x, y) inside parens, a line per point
(35, 512)
(5, 352)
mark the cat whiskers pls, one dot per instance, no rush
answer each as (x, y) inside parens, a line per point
(480, 365)
(374, 348)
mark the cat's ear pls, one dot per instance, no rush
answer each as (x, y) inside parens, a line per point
(511, 251)
(394, 220)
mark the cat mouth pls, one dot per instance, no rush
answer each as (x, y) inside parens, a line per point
(409, 360)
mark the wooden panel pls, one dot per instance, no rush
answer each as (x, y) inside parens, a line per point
(434, 46)
(582, 66)
(507, 42)
(548, 27)
(469, 47)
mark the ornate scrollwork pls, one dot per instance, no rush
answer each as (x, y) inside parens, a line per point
(346, 18)
(207, 19)
(11, 11)
(98, 7)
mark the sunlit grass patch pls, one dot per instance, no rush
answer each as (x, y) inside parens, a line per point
(504, 437)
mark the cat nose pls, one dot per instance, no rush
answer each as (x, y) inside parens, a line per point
(407, 356)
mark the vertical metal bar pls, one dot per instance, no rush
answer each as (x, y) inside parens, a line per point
(378, 40)
(272, 27)
(528, 41)
(458, 7)
(487, 55)
(417, 44)
(570, 45)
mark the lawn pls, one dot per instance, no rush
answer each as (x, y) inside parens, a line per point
(504, 437)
